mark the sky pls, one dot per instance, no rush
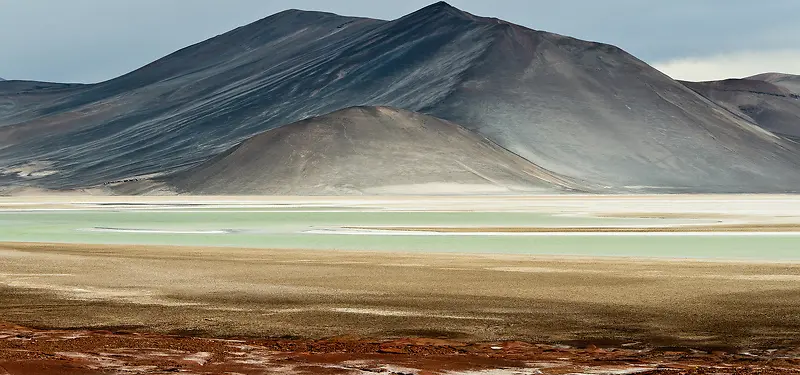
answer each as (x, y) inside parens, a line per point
(95, 40)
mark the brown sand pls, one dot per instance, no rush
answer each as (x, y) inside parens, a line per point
(315, 294)
(108, 309)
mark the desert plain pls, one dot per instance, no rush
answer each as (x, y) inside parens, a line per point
(403, 284)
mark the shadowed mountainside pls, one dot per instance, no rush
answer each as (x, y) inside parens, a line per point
(771, 106)
(19, 103)
(586, 111)
(418, 153)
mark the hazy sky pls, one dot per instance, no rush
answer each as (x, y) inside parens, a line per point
(95, 40)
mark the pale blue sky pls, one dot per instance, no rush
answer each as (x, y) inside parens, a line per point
(94, 40)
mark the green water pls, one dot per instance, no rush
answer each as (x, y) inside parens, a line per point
(284, 230)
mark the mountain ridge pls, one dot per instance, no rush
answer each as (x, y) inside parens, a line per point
(584, 110)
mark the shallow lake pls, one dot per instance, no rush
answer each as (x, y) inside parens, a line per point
(288, 229)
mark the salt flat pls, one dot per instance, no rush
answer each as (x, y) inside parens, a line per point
(702, 227)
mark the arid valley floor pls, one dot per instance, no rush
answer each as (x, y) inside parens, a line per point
(412, 285)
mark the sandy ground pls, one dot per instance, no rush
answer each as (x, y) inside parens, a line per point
(103, 309)
(261, 292)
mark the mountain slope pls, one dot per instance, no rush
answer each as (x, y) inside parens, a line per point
(769, 105)
(21, 101)
(790, 82)
(365, 150)
(584, 110)
(287, 67)
(176, 111)
(594, 112)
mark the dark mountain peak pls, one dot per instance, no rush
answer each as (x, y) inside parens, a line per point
(294, 19)
(440, 10)
(285, 22)
(442, 6)
(303, 13)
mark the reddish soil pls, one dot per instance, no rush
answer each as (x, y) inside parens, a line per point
(44, 352)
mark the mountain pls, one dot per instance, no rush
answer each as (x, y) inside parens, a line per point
(584, 111)
(365, 150)
(772, 106)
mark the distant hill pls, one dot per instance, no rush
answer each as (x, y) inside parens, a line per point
(587, 112)
(788, 81)
(772, 106)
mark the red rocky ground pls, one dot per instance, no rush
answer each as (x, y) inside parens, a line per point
(43, 352)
